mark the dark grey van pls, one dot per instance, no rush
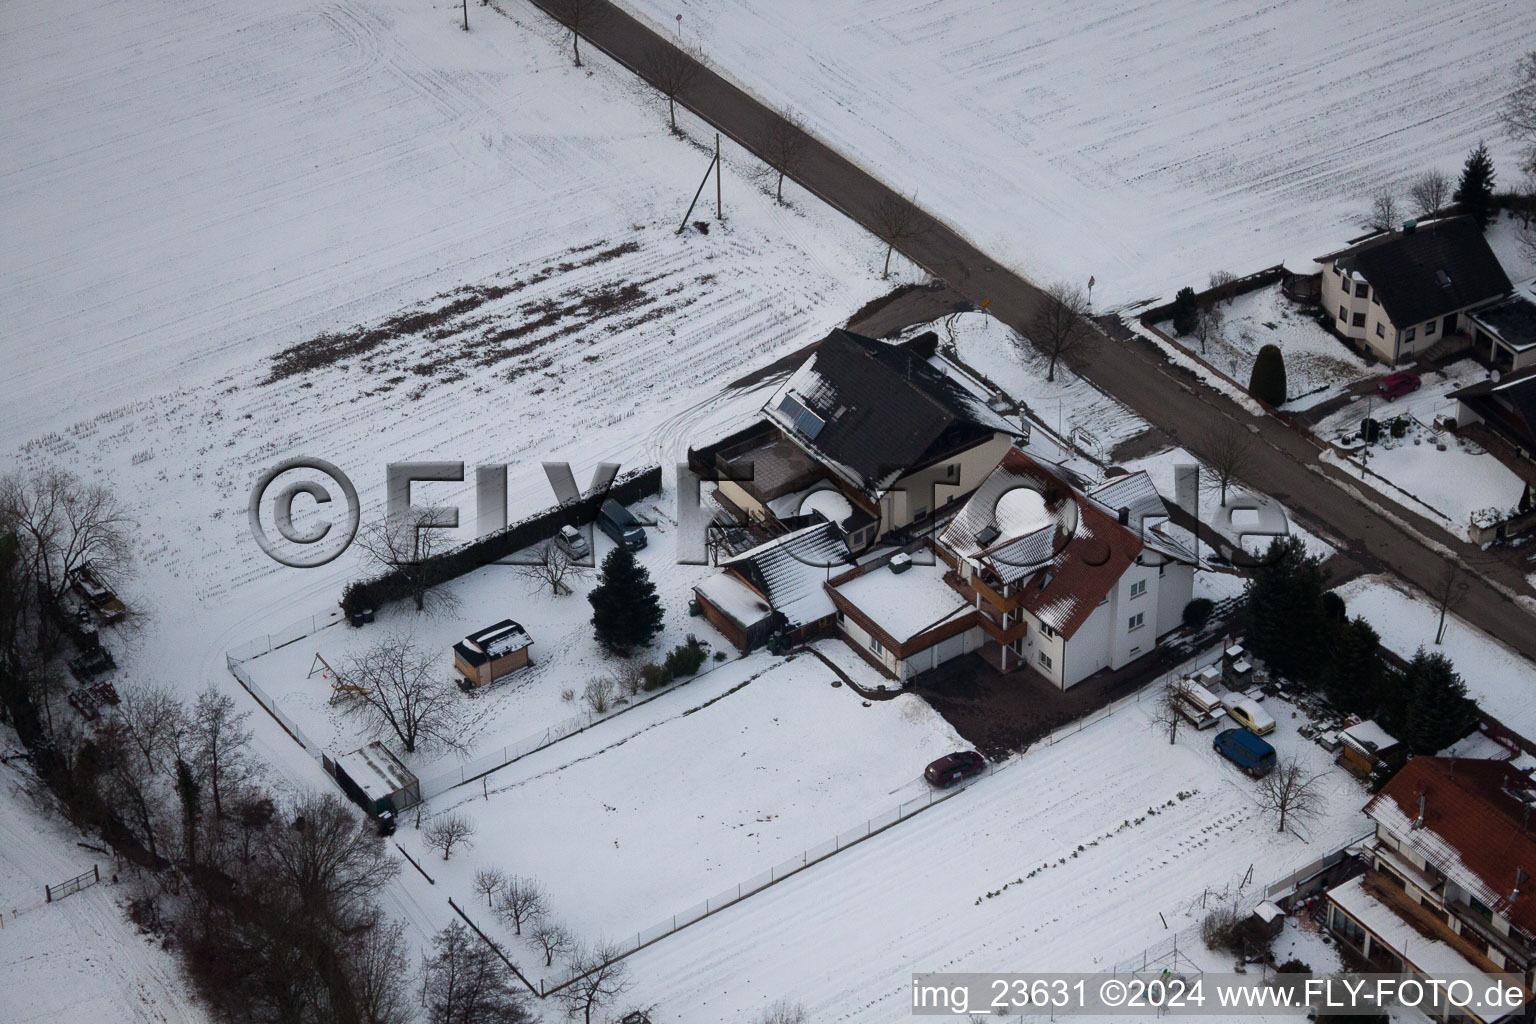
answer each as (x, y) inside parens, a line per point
(614, 520)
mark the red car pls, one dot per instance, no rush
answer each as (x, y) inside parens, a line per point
(1397, 385)
(951, 768)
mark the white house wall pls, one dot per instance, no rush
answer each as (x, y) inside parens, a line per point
(922, 489)
(1175, 589)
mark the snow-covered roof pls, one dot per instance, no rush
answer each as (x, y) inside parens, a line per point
(493, 642)
(1267, 911)
(1369, 737)
(870, 412)
(376, 771)
(1134, 492)
(735, 600)
(1435, 958)
(792, 570)
(905, 604)
(822, 497)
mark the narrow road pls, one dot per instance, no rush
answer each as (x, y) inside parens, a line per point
(1375, 532)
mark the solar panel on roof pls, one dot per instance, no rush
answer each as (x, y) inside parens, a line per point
(803, 420)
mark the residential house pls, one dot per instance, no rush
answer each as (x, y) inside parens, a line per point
(1446, 890)
(1399, 292)
(1032, 570)
(776, 587)
(1505, 406)
(492, 653)
(871, 434)
(1506, 329)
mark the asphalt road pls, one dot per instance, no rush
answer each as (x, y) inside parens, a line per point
(1376, 533)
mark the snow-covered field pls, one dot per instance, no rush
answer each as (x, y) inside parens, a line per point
(1093, 837)
(1315, 361)
(1147, 144)
(78, 958)
(1452, 483)
(1501, 681)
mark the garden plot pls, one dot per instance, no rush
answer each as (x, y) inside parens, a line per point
(1063, 861)
(1069, 405)
(626, 834)
(1144, 144)
(1427, 469)
(1501, 681)
(1316, 362)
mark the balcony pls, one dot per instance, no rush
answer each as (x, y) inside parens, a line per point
(989, 616)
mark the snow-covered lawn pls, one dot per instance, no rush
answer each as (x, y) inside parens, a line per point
(1070, 405)
(79, 958)
(1147, 145)
(1452, 483)
(1060, 862)
(1502, 682)
(1316, 362)
(642, 823)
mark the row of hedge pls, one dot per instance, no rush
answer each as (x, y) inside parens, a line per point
(360, 595)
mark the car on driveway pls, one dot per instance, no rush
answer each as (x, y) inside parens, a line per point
(951, 768)
(1397, 385)
(1245, 750)
(1246, 712)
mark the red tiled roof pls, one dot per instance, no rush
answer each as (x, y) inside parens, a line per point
(1473, 831)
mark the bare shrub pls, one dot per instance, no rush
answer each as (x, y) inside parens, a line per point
(448, 832)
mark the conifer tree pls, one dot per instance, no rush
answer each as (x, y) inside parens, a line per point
(1287, 626)
(1438, 711)
(1352, 679)
(626, 613)
(1475, 189)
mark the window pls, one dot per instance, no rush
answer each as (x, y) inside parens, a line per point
(1138, 620)
(1409, 333)
(1376, 300)
(1381, 331)
(1138, 588)
(840, 616)
(1359, 320)
(921, 513)
(1429, 328)
(1336, 271)
(1047, 630)
(874, 645)
(1044, 659)
(1343, 315)
(952, 471)
(1362, 289)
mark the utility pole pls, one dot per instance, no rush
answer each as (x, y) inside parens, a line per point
(466, 15)
(719, 205)
(1365, 435)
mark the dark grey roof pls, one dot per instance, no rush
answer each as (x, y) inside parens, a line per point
(1437, 268)
(493, 642)
(1507, 405)
(1513, 319)
(791, 570)
(872, 411)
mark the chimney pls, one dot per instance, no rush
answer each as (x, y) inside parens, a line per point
(1419, 821)
(1125, 516)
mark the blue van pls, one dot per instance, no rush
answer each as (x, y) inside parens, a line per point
(1245, 750)
(614, 520)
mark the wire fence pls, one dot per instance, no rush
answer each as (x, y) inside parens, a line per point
(235, 661)
(498, 759)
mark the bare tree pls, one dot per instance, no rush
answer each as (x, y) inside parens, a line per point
(522, 901)
(1430, 192)
(783, 145)
(395, 688)
(64, 526)
(553, 939)
(379, 961)
(489, 882)
(153, 722)
(897, 223)
(1228, 450)
(1208, 324)
(1168, 711)
(407, 543)
(1449, 592)
(599, 694)
(672, 70)
(1223, 286)
(221, 745)
(581, 17)
(630, 676)
(600, 979)
(1383, 212)
(783, 1011)
(1059, 323)
(448, 831)
(552, 567)
(464, 982)
(1291, 793)
(1519, 111)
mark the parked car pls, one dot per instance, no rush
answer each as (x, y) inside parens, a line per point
(572, 542)
(1245, 750)
(614, 520)
(1245, 711)
(1397, 385)
(951, 768)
